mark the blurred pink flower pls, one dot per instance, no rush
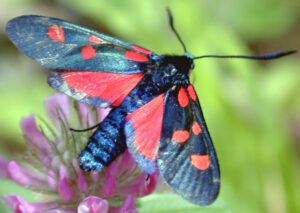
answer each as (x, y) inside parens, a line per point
(51, 167)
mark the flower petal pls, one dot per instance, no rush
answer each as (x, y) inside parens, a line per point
(109, 188)
(127, 207)
(95, 176)
(34, 136)
(93, 204)
(4, 168)
(58, 107)
(25, 177)
(82, 183)
(85, 115)
(102, 113)
(62, 211)
(64, 187)
(126, 162)
(52, 180)
(141, 185)
(19, 205)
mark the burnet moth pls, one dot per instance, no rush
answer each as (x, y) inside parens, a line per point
(155, 110)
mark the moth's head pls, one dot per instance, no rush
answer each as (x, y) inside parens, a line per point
(190, 60)
(177, 64)
(186, 62)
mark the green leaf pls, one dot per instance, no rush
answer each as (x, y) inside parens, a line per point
(173, 203)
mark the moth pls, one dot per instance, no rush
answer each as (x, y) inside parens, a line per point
(155, 113)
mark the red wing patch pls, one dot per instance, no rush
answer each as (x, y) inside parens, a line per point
(88, 52)
(183, 98)
(113, 87)
(142, 50)
(135, 56)
(196, 128)
(181, 136)
(56, 33)
(192, 92)
(201, 162)
(95, 39)
(147, 124)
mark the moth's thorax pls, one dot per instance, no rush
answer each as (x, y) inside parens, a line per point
(172, 69)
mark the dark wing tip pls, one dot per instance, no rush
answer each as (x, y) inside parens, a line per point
(12, 26)
(9, 26)
(19, 20)
(203, 196)
(210, 197)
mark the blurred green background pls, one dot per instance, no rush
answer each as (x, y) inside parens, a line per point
(252, 108)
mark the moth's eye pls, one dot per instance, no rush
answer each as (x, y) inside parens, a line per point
(173, 71)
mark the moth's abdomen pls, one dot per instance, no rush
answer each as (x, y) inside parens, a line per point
(106, 144)
(109, 141)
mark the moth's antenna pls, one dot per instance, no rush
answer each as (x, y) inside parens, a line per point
(258, 57)
(173, 29)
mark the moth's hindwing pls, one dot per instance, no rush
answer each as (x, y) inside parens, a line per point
(143, 132)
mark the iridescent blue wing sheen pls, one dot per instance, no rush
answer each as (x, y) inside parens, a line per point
(93, 68)
(59, 44)
(186, 157)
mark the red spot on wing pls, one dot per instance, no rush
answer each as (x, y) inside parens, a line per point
(95, 39)
(183, 98)
(196, 128)
(181, 136)
(113, 87)
(147, 121)
(88, 52)
(192, 92)
(201, 162)
(56, 33)
(135, 56)
(140, 49)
